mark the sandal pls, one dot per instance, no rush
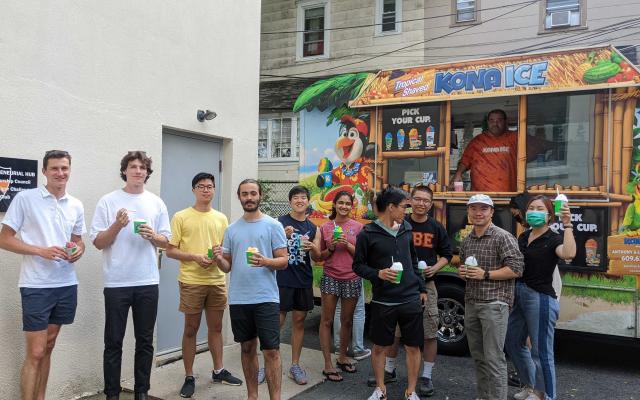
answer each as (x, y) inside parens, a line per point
(332, 376)
(346, 367)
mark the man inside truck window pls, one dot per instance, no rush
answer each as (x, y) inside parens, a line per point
(491, 157)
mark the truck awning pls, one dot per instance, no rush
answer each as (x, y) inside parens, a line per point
(560, 71)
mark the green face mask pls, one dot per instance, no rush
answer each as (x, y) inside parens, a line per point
(536, 219)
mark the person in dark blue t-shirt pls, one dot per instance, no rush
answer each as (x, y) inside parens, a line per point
(296, 282)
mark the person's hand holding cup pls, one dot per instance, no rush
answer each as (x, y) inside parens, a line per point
(388, 275)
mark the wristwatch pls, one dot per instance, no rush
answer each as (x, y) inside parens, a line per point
(486, 274)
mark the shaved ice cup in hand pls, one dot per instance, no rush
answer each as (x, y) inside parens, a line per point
(250, 252)
(136, 225)
(471, 262)
(70, 248)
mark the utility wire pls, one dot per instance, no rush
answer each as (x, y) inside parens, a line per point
(397, 22)
(554, 44)
(418, 43)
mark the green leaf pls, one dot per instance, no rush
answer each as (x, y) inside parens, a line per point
(331, 92)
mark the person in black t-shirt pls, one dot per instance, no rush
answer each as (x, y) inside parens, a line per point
(432, 245)
(536, 307)
(296, 282)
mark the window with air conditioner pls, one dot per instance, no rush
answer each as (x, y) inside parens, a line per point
(562, 14)
(388, 16)
(278, 138)
(313, 21)
(465, 11)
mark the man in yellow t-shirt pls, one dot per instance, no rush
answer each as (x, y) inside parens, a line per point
(195, 232)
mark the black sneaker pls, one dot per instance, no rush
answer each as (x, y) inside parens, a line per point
(189, 387)
(389, 377)
(225, 377)
(425, 387)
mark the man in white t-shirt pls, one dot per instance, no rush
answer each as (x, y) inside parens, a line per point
(254, 248)
(128, 225)
(50, 223)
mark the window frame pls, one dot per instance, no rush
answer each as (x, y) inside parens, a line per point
(379, 15)
(302, 7)
(454, 14)
(582, 9)
(294, 139)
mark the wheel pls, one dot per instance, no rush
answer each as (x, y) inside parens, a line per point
(452, 338)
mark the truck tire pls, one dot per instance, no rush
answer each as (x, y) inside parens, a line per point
(452, 337)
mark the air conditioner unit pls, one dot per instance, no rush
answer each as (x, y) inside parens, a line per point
(559, 18)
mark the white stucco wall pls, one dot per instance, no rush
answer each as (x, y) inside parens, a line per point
(99, 79)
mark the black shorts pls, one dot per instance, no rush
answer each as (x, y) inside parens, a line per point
(407, 316)
(296, 299)
(261, 320)
(44, 306)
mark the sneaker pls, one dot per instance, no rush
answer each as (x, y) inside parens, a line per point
(261, 376)
(523, 394)
(226, 378)
(425, 387)
(188, 387)
(411, 396)
(361, 355)
(533, 396)
(298, 375)
(377, 394)
(389, 377)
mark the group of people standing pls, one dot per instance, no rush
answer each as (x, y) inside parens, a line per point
(269, 263)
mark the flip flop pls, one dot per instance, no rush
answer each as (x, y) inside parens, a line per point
(347, 367)
(333, 376)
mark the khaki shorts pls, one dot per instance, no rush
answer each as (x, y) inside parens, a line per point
(430, 315)
(195, 298)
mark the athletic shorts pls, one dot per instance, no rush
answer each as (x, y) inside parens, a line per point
(261, 320)
(343, 288)
(195, 298)
(407, 316)
(430, 317)
(44, 306)
(296, 299)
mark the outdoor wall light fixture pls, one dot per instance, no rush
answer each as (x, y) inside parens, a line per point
(206, 115)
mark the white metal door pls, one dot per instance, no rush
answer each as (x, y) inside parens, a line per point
(183, 156)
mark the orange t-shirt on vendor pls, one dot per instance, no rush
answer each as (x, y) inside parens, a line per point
(492, 161)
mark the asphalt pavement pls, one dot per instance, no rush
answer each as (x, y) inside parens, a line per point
(586, 369)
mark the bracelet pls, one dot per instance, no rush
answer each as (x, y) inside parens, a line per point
(568, 226)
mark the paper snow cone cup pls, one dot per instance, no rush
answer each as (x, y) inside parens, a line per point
(136, 225)
(558, 202)
(210, 253)
(397, 267)
(337, 231)
(70, 248)
(250, 252)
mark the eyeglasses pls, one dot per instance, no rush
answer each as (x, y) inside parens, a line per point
(421, 200)
(205, 187)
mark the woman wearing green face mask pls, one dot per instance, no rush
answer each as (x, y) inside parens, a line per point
(536, 307)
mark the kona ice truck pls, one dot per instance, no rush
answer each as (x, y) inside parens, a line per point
(361, 132)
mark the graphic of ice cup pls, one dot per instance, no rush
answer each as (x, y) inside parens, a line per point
(388, 140)
(70, 248)
(400, 136)
(136, 225)
(558, 202)
(250, 252)
(397, 266)
(431, 136)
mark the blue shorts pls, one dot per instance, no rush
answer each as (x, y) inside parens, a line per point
(44, 306)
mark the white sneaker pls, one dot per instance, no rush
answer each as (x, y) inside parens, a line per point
(523, 394)
(412, 396)
(532, 396)
(377, 395)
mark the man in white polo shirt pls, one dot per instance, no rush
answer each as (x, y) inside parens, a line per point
(50, 223)
(129, 224)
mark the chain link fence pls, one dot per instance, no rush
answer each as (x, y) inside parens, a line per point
(275, 197)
